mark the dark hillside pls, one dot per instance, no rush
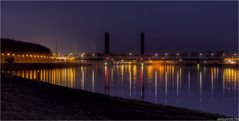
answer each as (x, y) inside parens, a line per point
(10, 45)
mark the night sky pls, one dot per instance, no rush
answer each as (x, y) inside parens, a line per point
(79, 26)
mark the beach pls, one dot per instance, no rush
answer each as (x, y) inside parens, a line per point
(32, 99)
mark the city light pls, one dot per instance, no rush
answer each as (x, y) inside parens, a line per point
(82, 55)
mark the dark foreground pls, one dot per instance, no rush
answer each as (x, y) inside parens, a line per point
(27, 99)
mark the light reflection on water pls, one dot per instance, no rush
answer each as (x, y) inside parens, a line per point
(211, 89)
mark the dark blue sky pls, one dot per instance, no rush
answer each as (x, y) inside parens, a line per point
(79, 26)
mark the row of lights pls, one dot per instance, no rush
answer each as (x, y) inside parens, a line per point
(35, 56)
(8, 54)
(212, 54)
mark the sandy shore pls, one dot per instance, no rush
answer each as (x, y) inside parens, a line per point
(28, 99)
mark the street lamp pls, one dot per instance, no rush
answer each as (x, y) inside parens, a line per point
(156, 54)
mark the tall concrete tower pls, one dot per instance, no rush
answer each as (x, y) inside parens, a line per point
(142, 43)
(107, 43)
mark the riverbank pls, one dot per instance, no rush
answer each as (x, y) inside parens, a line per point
(28, 99)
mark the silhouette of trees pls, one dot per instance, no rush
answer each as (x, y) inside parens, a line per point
(10, 45)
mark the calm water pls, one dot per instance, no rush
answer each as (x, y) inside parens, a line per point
(211, 89)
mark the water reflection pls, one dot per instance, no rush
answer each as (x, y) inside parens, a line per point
(213, 89)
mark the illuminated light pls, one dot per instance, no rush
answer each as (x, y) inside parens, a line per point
(18, 55)
(142, 64)
(45, 56)
(82, 55)
(223, 54)
(26, 55)
(177, 53)
(34, 56)
(8, 54)
(105, 64)
(2, 54)
(13, 54)
(200, 54)
(112, 59)
(130, 53)
(235, 54)
(212, 54)
(93, 54)
(180, 59)
(30, 55)
(166, 53)
(41, 56)
(198, 66)
(23, 56)
(156, 54)
(122, 60)
(38, 56)
(231, 62)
